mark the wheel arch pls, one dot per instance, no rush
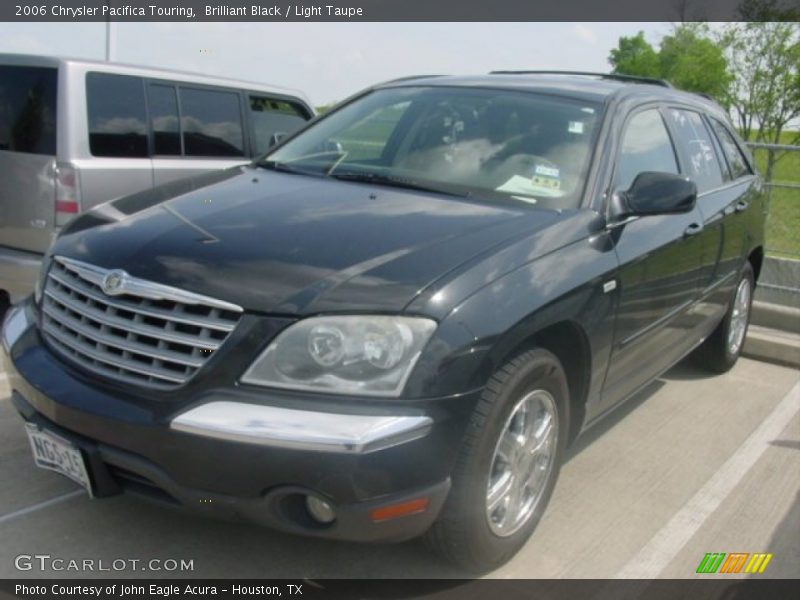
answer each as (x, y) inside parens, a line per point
(568, 341)
(756, 260)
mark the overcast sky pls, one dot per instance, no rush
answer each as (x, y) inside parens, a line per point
(329, 61)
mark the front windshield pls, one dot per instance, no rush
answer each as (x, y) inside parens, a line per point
(481, 143)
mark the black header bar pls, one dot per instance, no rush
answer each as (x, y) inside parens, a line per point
(369, 10)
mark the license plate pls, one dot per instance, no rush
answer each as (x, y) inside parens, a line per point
(57, 454)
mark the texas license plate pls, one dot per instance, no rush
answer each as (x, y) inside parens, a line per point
(57, 454)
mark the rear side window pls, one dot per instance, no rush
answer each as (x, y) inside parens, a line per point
(696, 148)
(271, 119)
(163, 103)
(211, 121)
(28, 109)
(646, 146)
(117, 121)
(736, 160)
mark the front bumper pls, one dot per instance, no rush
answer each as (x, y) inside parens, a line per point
(19, 271)
(132, 444)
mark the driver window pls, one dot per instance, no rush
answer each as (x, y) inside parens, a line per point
(646, 146)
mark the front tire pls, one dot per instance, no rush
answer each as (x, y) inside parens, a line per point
(724, 346)
(508, 464)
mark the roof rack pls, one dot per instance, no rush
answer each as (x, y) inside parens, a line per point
(614, 76)
(706, 96)
(409, 78)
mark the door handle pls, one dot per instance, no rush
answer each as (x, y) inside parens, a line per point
(741, 205)
(692, 229)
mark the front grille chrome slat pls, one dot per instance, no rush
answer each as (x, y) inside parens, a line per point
(77, 285)
(104, 318)
(135, 331)
(117, 342)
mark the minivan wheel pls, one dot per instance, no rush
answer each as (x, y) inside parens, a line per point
(508, 464)
(722, 348)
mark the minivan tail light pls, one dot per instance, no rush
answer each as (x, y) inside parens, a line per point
(67, 193)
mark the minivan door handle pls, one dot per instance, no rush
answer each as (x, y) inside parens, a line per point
(741, 205)
(693, 229)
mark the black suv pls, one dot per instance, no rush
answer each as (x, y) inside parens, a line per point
(396, 321)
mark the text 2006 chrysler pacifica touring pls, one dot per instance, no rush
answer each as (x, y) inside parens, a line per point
(396, 321)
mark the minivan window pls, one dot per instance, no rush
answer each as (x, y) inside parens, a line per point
(736, 160)
(696, 148)
(163, 104)
(117, 117)
(646, 146)
(211, 121)
(28, 109)
(490, 145)
(271, 119)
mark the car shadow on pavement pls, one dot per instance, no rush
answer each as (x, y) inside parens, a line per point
(613, 418)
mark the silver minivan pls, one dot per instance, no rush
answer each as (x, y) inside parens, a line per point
(76, 133)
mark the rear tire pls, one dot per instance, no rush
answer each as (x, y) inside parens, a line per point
(5, 304)
(508, 464)
(724, 346)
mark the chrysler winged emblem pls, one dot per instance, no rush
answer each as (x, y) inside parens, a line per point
(113, 283)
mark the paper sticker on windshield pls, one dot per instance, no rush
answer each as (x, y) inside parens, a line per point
(546, 171)
(575, 127)
(546, 179)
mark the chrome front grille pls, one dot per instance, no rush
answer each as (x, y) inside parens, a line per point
(130, 329)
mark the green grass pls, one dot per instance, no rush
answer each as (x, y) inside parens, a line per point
(783, 222)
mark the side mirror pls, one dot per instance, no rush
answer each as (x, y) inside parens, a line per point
(654, 193)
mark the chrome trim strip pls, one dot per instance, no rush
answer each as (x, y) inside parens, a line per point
(141, 287)
(300, 429)
(657, 323)
(717, 284)
(146, 311)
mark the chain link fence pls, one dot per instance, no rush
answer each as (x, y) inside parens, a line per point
(783, 222)
(780, 277)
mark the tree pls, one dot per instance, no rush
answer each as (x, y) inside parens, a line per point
(688, 58)
(635, 56)
(769, 10)
(765, 94)
(692, 61)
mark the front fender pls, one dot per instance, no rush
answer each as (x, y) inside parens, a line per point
(571, 284)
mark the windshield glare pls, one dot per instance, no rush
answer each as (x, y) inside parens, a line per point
(482, 143)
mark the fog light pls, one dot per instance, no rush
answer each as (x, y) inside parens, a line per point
(320, 510)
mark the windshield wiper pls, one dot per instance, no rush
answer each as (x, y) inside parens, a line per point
(391, 181)
(286, 168)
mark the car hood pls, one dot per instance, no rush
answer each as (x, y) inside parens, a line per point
(293, 244)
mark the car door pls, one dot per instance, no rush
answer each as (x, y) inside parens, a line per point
(735, 201)
(660, 261)
(702, 162)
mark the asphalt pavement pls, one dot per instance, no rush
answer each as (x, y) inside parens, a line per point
(693, 464)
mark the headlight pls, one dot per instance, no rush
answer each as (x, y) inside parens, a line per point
(368, 355)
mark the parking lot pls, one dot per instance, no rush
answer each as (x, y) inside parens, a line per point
(693, 464)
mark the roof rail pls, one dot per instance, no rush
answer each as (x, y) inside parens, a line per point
(706, 96)
(408, 78)
(614, 76)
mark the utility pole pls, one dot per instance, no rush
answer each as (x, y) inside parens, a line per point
(109, 35)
